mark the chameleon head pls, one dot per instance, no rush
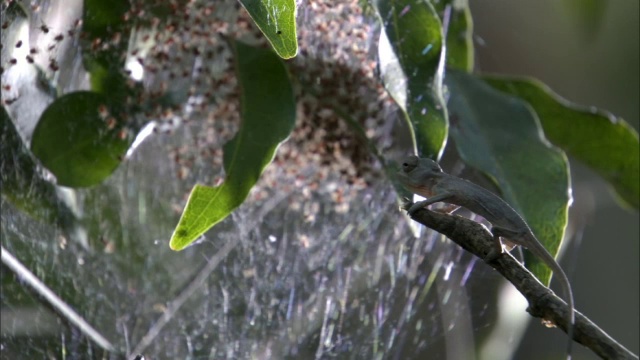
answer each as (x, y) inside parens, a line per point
(415, 172)
(412, 164)
(409, 163)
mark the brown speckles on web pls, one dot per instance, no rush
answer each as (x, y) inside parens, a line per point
(43, 46)
(323, 158)
(335, 67)
(187, 67)
(185, 59)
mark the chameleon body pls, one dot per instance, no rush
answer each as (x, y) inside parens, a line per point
(425, 177)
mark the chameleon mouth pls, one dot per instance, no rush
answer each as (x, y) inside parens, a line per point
(420, 190)
(406, 181)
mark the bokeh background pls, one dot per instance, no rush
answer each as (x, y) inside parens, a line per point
(587, 51)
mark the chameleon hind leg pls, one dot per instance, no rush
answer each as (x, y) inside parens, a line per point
(498, 246)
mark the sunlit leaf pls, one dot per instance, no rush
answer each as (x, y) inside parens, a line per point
(277, 21)
(499, 135)
(21, 183)
(604, 142)
(411, 65)
(268, 115)
(79, 139)
(457, 20)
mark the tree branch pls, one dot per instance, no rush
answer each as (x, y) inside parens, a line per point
(543, 303)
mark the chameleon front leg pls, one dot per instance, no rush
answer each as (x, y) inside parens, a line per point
(424, 203)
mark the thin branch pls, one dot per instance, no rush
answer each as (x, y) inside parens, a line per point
(543, 303)
(56, 302)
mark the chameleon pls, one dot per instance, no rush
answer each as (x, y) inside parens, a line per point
(426, 178)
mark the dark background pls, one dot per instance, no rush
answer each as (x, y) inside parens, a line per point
(587, 51)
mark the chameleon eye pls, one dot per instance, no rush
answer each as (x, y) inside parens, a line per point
(409, 164)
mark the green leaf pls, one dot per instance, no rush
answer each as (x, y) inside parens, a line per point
(277, 21)
(500, 135)
(457, 15)
(604, 142)
(21, 182)
(79, 139)
(588, 15)
(411, 66)
(103, 23)
(268, 114)
(102, 19)
(108, 80)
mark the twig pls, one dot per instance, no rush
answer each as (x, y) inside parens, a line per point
(58, 304)
(543, 303)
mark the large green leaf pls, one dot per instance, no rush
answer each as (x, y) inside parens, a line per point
(79, 139)
(500, 135)
(102, 19)
(456, 17)
(277, 21)
(268, 114)
(411, 65)
(601, 140)
(21, 182)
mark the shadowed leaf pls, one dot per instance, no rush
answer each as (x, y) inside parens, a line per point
(500, 136)
(79, 140)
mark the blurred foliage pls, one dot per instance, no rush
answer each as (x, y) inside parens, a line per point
(587, 14)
